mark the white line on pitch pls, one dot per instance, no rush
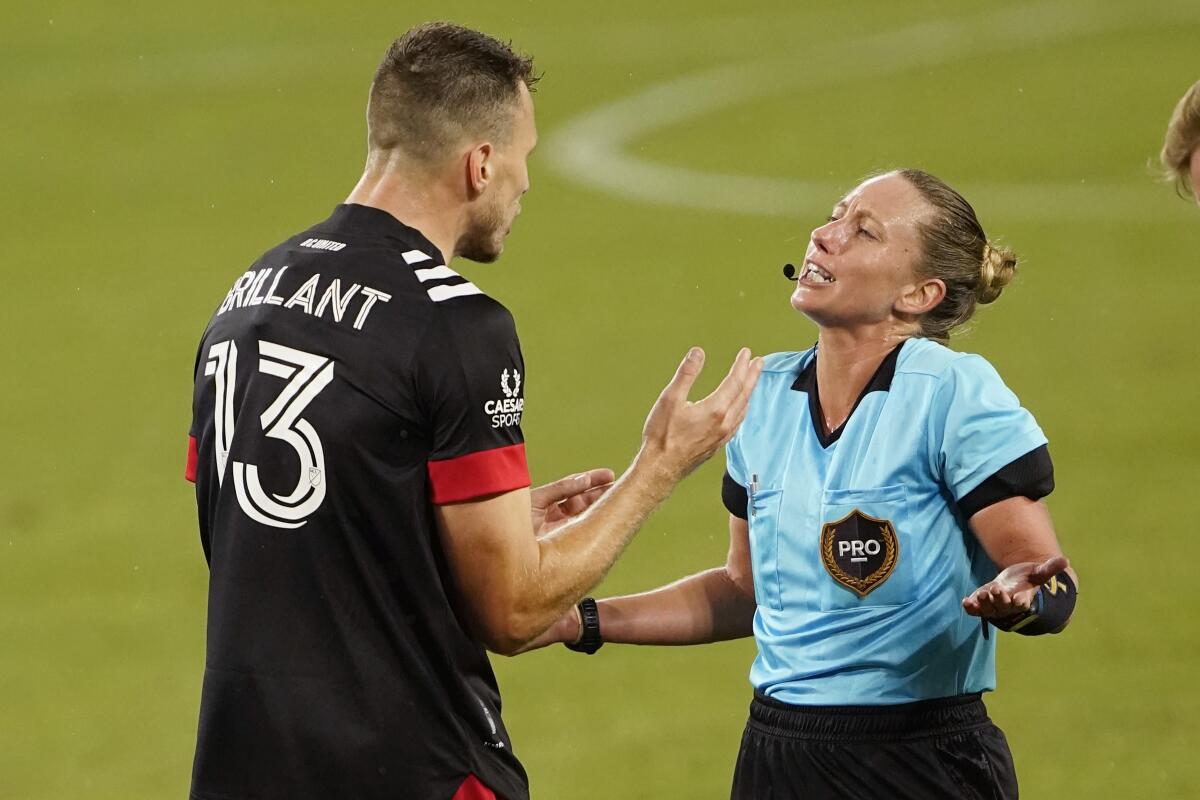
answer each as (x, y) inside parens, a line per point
(591, 149)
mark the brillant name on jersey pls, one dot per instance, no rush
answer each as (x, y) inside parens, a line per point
(249, 290)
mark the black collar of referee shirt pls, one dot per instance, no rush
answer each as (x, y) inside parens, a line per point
(376, 221)
(806, 382)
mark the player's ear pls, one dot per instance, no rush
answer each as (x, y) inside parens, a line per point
(479, 168)
(921, 297)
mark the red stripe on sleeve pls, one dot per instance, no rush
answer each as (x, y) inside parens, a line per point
(478, 474)
(473, 789)
(193, 456)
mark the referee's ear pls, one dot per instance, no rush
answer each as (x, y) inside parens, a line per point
(479, 169)
(921, 297)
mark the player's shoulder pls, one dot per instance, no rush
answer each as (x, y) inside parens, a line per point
(458, 305)
(414, 268)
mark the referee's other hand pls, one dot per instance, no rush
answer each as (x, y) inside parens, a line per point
(681, 435)
(1013, 589)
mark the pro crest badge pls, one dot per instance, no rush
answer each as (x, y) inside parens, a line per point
(859, 551)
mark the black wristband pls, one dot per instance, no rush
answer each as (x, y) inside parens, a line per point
(590, 640)
(1052, 607)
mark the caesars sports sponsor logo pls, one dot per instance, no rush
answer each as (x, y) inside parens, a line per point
(506, 411)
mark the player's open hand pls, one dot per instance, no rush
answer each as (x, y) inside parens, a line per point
(1013, 589)
(681, 435)
(555, 503)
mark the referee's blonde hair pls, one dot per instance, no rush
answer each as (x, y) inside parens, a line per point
(1182, 139)
(955, 249)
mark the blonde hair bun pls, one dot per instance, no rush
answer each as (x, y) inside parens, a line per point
(998, 268)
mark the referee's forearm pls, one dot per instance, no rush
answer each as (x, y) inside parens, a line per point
(701, 608)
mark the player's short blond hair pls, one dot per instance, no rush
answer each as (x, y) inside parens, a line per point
(1182, 139)
(440, 82)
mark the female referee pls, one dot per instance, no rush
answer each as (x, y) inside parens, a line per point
(884, 495)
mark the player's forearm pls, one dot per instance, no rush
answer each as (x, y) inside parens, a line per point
(701, 608)
(575, 558)
(530, 584)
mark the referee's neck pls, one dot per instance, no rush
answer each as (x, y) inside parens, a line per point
(845, 348)
(846, 362)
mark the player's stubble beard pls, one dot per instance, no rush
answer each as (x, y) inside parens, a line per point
(483, 240)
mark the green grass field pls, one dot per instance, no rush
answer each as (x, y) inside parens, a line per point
(149, 153)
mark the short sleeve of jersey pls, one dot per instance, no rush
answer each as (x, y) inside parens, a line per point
(734, 483)
(471, 382)
(977, 426)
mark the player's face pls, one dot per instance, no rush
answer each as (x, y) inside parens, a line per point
(498, 207)
(1195, 174)
(860, 263)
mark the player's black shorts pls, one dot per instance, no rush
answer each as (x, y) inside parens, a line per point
(933, 749)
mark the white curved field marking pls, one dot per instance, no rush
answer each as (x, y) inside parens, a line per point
(591, 148)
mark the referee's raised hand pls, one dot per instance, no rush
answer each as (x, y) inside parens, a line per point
(680, 435)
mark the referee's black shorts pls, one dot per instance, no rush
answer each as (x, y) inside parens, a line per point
(934, 749)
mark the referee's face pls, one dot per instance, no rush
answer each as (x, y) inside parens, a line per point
(497, 208)
(861, 262)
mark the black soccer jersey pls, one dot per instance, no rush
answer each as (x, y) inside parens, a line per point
(347, 382)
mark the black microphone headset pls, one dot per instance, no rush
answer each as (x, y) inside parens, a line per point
(789, 272)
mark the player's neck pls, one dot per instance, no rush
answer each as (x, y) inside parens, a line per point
(418, 203)
(846, 361)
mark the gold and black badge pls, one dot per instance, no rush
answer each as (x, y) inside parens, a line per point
(859, 551)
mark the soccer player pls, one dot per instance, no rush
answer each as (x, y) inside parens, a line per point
(360, 470)
(1182, 144)
(884, 493)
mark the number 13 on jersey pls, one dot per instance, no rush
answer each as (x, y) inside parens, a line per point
(306, 375)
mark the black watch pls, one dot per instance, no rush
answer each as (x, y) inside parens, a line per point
(590, 640)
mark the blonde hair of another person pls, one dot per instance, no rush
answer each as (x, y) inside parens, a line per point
(1181, 142)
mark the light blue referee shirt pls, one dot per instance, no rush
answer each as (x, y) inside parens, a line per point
(861, 552)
